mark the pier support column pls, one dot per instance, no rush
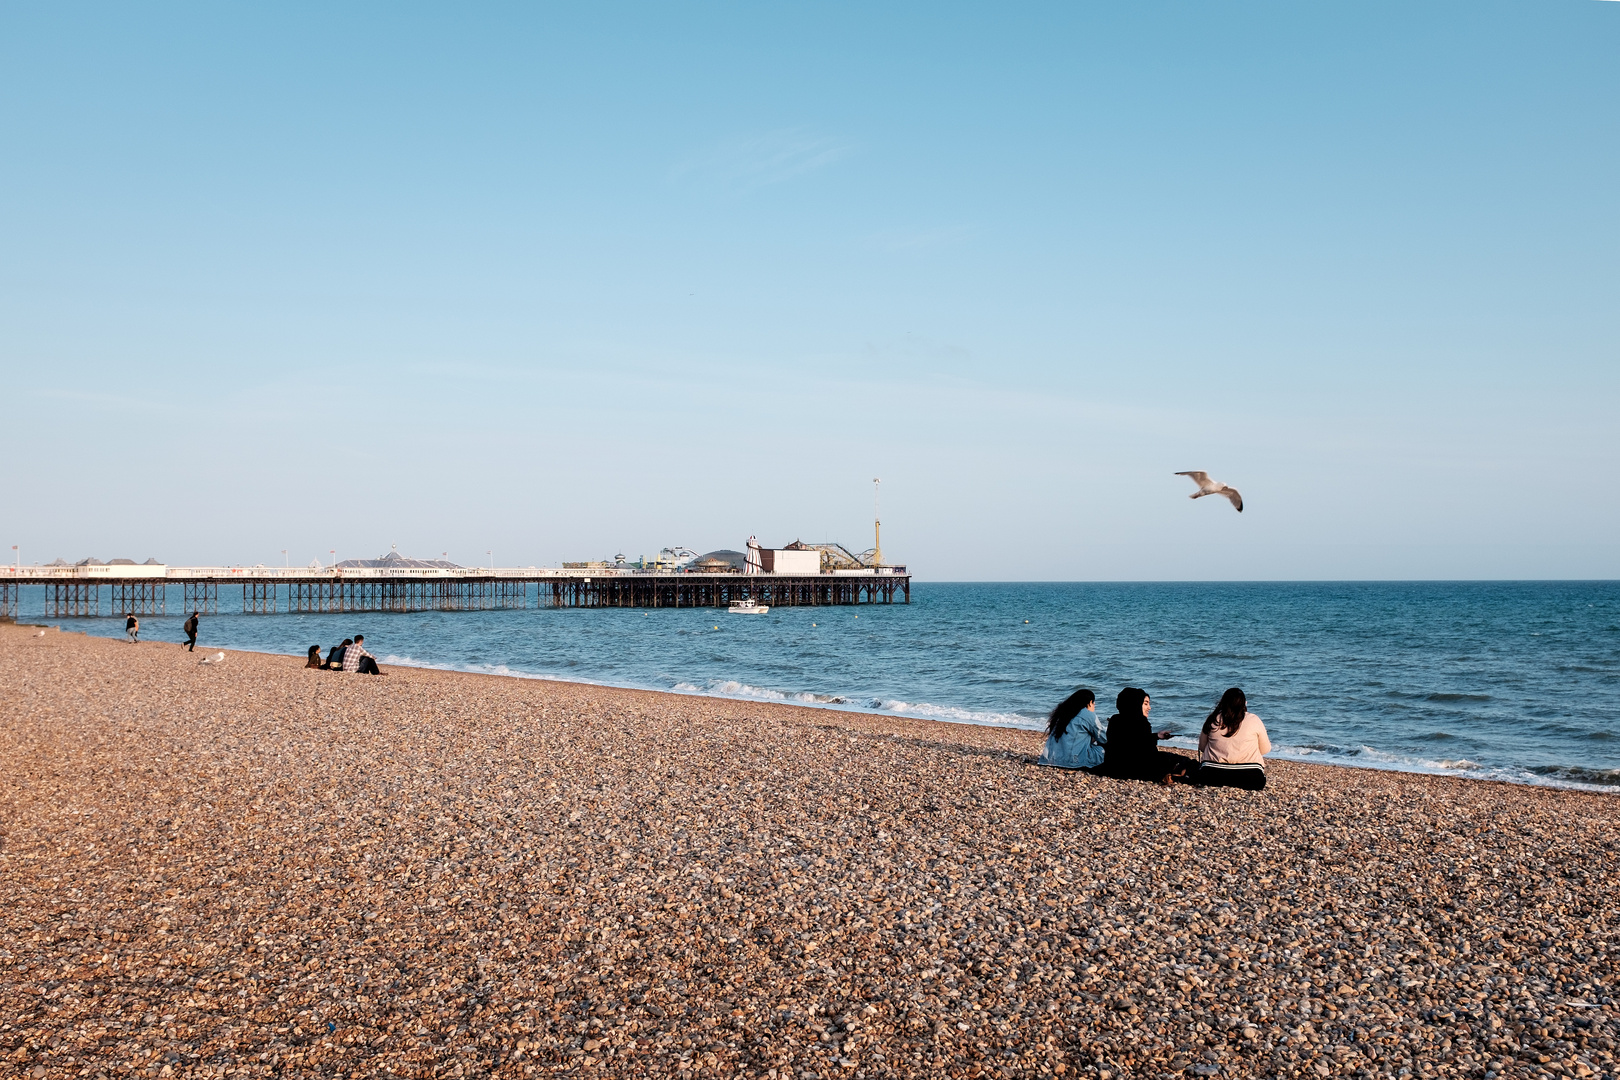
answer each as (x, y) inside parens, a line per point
(258, 598)
(139, 598)
(202, 596)
(309, 597)
(65, 599)
(10, 596)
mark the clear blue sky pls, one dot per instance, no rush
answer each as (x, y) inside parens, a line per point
(568, 282)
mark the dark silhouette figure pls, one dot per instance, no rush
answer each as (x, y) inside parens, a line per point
(190, 628)
(1133, 746)
(314, 657)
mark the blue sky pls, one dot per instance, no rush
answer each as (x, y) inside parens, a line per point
(560, 283)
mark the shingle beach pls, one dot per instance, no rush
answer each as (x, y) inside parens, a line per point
(250, 869)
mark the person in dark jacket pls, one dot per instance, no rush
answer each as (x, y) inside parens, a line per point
(190, 628)
(334, 659)
(314, 657)
(1133, 746)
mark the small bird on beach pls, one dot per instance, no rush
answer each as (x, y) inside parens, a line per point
(218, 658)
(1206, 486)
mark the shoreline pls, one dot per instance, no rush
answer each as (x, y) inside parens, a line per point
(1285, 754)
(1292, 754)
(252, 869)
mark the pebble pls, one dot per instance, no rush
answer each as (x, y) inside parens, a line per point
(254, 869)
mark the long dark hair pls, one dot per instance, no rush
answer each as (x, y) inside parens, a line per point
(1230, 712)
(1129, 704)
(1069, 708)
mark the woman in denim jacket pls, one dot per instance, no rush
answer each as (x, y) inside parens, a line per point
(1074, 740)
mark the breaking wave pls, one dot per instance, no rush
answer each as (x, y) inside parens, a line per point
(730, 688)
(1367, 757)
(955, 715)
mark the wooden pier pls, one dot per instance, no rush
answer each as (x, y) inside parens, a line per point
(267, 591)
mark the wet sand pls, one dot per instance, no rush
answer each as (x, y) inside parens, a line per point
(252, 869)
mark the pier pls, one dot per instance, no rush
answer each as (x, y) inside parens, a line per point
(85, 591)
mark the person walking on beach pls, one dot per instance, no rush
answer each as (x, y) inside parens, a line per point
(1073, 738)
(1133, 750)
(132, 627)
(1233, 746)
(355, 658)
(190, 628)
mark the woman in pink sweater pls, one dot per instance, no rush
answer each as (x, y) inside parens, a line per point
(1233, 746)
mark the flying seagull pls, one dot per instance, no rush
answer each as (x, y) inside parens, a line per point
(1206, 486)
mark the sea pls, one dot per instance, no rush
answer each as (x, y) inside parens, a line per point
(1513, 681)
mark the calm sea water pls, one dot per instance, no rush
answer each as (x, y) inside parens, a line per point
(1517, 681)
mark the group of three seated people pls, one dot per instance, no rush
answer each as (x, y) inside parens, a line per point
(1231, 748)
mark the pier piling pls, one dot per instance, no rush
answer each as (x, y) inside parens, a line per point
(201, 596)
(140, 597)
(67, 599)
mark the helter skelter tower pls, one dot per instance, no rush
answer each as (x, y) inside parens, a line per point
(877, 526)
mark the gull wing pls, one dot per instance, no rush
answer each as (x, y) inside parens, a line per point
(1237, 500)
(1206, 486)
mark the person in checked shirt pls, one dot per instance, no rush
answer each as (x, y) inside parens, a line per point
(355, 658)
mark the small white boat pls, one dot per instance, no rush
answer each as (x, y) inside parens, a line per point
(747, 607)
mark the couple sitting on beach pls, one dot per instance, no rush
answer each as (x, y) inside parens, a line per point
(1231, 748)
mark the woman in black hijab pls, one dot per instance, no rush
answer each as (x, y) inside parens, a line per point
(1133, 746)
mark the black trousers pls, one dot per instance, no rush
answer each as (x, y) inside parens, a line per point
(1247, 779)
(368, 666)
(191, 641)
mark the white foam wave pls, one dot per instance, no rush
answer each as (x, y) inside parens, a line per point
(492, 669)
(956, 715)
(1368, 757)
(730, 688)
